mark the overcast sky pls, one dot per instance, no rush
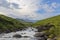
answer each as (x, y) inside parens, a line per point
(30, 9)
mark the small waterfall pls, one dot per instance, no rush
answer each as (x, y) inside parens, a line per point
(27, 32)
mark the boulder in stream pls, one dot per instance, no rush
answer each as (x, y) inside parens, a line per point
(17, 36)
(26, 36)
(39, 34)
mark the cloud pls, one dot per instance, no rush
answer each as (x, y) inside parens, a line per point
(6, 4)
(47, 8)
(55, 5)
(26, 9)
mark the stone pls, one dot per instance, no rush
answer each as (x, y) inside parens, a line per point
(26, 36)
(17, 36)
(39, 34)
(45, 27)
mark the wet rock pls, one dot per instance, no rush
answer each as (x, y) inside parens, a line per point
(41, 38)
(26, 36)
(52, 38)
(17, 36)
(41, 28)
(23, 33)
(7, 31)
(45, 27)
(55, 38)
(39, 34)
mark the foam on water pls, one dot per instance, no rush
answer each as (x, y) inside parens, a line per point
(28, 32)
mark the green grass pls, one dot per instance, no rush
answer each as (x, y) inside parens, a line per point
(55, 21)
(11, 24)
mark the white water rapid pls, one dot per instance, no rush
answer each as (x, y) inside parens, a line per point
(28, 32)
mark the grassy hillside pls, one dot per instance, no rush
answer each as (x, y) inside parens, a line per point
(53, 20)
(8, 24)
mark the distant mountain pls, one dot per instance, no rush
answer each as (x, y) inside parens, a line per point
(26, 20)
(8, 24)
(53, 20)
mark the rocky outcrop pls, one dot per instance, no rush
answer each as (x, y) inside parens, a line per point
(41, 36)
(45, 27)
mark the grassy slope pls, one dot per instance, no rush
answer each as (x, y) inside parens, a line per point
(54, 20)
(7, 23)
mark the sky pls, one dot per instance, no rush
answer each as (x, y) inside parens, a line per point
(30, 9)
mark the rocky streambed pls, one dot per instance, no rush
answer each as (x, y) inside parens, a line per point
(29, 33)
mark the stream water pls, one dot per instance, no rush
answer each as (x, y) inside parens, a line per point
(27, 32)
